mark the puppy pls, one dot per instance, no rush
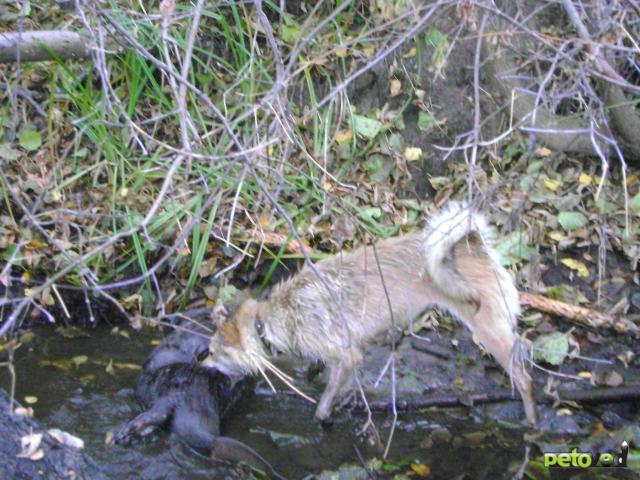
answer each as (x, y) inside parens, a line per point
(361, 294)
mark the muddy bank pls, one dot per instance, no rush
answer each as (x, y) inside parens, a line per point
(30, 450)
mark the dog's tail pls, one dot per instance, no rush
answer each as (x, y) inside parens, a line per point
(470, 282)
(459, 224)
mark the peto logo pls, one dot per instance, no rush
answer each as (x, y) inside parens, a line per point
(577, 459)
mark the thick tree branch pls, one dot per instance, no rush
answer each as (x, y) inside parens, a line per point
(35, 46)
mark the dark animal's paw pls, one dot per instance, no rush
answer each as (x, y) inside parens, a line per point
(141, 426)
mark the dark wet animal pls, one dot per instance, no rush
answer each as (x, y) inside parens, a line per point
(175, 392)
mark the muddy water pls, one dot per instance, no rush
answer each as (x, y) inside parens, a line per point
(95, 397)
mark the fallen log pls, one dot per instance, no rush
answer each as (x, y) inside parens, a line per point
(592, 396)
(34, 46)
(582, 315)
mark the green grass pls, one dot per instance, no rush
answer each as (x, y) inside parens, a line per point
(118, 179)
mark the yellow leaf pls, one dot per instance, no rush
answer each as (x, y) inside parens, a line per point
(155, 342)
(557, 236)
(341, 52)
(79, 360)
(395, 87)
(87, 379)
(127, 366)
(586, 375)
(109, 368)
(421, 470)
(369, 51)
(551, 184)
(264, 219)
(576, 265)
(412, 153)
(46, 297)
(64, 365)
(30, 399)
(585, 179)
(543, 152)
(344, 136)
(411, 53)
(35, 245)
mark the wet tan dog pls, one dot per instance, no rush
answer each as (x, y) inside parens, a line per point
(364, 292)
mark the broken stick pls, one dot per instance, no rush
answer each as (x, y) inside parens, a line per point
(582, 315)
(591, 396)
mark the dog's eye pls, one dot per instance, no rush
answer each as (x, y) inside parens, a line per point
(259, 326)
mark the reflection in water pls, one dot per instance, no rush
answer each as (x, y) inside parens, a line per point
(90, 397)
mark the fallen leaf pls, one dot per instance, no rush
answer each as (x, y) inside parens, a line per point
(369, 50)
(30, 399)
(395, 87)
(626, 357)
(613, 379)
(127, 366)
(24, 411)
(63, 364)
(411, 53)
(441, 435)
(551, 348)
(475, 438)
(514, 248)
(564, 412)
(552, 184)
(412, 153)
(344, 136)
(421, 470)
(125, 334)
(557, 236)
(585, 179)
(426, 121)
(79, 360)
(341, 51)
(109, 368)
(576, 265)
(572, 220)
(290, 32)
(211, 291)
(30, 445)
(366, 127)
(66, 438)
(30, 140)
(543, 152)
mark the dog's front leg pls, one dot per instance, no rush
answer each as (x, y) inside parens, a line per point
(340, 372)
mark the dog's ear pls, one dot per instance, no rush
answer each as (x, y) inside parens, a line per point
(241, 297)
(229, 334)
(232, 305)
